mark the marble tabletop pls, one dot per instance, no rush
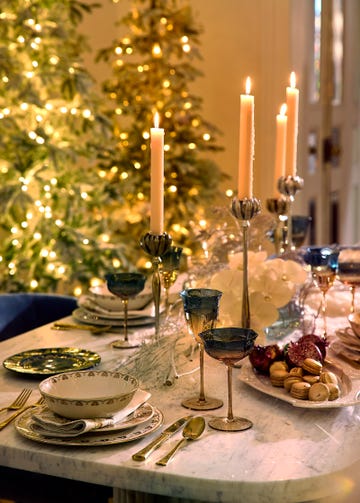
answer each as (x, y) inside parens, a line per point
(291, 454)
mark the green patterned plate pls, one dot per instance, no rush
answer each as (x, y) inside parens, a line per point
(49, 361)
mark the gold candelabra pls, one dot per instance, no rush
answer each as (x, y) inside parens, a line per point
(156, 245)
(289, 186)
(244, 210)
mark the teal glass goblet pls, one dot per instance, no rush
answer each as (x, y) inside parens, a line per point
(125, 285)
(229, 345)
(201, 309)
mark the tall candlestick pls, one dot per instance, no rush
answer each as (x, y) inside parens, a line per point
(157, 178)
(246, 143)
(292, 102)
(280, 152)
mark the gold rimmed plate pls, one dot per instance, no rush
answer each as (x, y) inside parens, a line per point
(85, 316)
(50, 361)
(92, 439)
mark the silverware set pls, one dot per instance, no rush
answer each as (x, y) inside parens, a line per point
(19, 405)
(19, 400)
(193, 428)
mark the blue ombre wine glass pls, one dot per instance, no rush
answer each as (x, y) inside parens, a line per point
(229, 345)
(201, 308)
(125, 285)
(323, 262)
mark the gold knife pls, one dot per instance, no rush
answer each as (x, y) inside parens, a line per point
(170, 430)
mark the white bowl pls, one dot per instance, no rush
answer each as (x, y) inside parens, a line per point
(88, 393)
(105, 299)
(354, 320)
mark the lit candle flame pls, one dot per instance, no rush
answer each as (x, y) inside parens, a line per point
(293, 80)
(283, 109)
(248, 85)
(156, 120)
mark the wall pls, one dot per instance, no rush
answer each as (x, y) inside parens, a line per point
(240, 38)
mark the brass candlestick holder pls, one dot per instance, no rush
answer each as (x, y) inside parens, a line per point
(289, 186)
(280, 208)
(244, 210)
(156, 245)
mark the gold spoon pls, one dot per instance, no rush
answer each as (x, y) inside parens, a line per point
(192, 430)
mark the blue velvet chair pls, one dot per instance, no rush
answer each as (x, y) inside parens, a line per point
(20, 312)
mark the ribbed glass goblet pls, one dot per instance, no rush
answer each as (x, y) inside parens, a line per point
(229, 345)
(349, 270)
(323, 262)
(201, 307)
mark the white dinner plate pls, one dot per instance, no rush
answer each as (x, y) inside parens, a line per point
(350, 388)
(86, 316)
(91, 439)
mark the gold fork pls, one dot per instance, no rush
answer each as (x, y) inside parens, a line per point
(19, 401)
(18, 412)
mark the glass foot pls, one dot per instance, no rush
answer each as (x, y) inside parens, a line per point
(122, 344)
(235, 424)
(207, 404)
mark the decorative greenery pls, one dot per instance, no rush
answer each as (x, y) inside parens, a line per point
(52, 232)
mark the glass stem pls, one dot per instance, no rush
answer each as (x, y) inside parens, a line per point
(323, 309)
(125, 302)
(202, 387)
(352, 290)
(167, 302)
(230, 416)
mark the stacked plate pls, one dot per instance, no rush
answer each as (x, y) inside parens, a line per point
(347, 346)
(100, 307)
(90, 408)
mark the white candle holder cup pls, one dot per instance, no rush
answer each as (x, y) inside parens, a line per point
(156, 245)
(289, 186)
(280, 208)
(244, 210)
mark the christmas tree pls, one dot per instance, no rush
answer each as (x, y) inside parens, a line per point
(153, 67)
(74, 167)
(53, 236)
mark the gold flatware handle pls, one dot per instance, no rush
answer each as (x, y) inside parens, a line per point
(75, 326)
(146, 451)
(169, 456)
(18, 412)
(170, 430)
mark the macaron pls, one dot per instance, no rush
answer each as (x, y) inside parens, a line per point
(300, 390)
(296, 371)
(319, 392)
(289, 381)
(334, 391)
(277, 377)
(311, 379)
(312, 366)
(278, 365)
(328, 377)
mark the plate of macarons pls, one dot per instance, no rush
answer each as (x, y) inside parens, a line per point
(307, 381)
